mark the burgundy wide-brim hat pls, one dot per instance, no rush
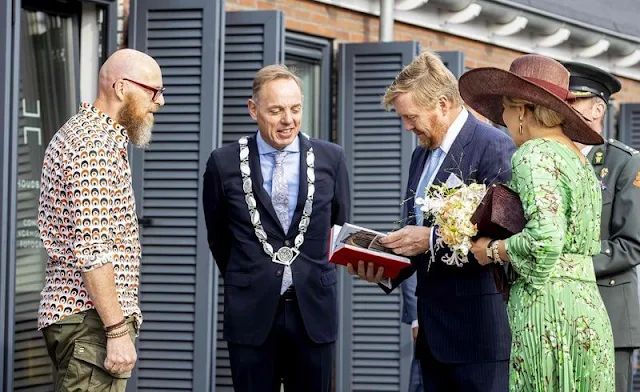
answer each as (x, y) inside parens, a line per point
(538, 79)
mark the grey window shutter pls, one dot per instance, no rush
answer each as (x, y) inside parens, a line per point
(177, 275)
(454, 60)
(253, 39)
(374, 352)
(629, 120)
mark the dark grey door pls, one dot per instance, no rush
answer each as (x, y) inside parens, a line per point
(253, 39)
(178, 279)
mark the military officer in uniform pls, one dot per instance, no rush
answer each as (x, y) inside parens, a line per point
(617, 167)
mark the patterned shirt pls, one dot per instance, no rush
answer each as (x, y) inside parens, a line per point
(87, 216)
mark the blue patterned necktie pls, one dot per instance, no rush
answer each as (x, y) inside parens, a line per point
(280, 201)
(432, 164)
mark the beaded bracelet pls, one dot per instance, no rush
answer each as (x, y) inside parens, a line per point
(113, 335)
(496, 253)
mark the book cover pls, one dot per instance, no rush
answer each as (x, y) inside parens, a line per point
(350, 244)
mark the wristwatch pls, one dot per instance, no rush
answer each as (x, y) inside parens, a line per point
(490, 250)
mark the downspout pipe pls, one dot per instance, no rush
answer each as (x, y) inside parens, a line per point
(386, 20)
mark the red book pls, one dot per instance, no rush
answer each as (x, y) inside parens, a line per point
(350, 244)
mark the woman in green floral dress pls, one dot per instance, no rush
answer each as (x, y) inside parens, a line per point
(561, 335)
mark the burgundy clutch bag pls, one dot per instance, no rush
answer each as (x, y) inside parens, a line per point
(500, 214)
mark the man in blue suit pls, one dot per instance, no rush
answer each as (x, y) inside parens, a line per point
(410, 317)
(463, 338)
(270, 200)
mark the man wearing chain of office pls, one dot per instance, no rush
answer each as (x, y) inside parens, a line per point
(270, 200)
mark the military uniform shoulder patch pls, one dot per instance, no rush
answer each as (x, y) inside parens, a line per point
(637, 181)
(622, 146)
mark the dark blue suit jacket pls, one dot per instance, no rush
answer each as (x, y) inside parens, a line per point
(460, 308)
(251, 280)
(409, 300)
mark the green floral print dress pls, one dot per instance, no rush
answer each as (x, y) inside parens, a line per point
(561, 335)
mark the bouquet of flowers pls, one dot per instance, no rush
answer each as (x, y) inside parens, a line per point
(451, 206)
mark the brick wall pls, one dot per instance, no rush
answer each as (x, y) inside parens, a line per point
(349, 26)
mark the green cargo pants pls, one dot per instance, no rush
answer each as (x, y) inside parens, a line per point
(78, 348)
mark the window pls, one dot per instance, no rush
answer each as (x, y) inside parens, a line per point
(311, 58)
(53, 58)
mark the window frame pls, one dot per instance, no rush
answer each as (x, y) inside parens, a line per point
(315, 50)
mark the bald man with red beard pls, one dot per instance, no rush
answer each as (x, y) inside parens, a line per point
(89, 313)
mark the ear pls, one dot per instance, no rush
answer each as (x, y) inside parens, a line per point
(522, 111)
(598, 109)
(253, 109)
(444, 105)
(118, 87)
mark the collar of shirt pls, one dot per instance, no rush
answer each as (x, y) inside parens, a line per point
(586, 150)
(454, 130)
(265, 149)
(116, 131)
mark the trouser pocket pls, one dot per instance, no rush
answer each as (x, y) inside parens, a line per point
(86, 371)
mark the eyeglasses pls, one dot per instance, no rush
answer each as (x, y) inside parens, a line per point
(157, 92)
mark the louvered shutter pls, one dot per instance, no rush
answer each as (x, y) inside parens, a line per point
(177, 275)
(374, 352)
(629, 131)
(454, 60)
(253, 39)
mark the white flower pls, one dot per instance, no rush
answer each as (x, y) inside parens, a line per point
(452, 205)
